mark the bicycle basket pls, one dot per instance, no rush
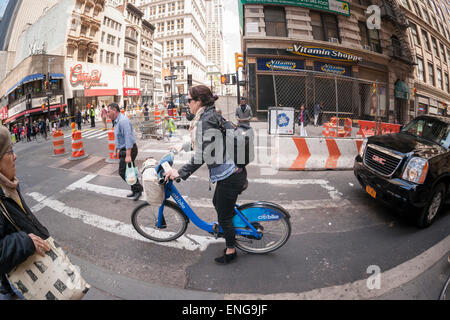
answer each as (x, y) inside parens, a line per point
(154, 192)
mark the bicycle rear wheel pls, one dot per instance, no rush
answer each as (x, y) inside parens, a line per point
(275, 231)
(145, 217)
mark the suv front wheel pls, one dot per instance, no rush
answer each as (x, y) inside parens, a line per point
(428, 214)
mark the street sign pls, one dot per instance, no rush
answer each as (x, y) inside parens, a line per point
(167, 78)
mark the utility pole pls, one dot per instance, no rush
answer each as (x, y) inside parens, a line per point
(48, 85)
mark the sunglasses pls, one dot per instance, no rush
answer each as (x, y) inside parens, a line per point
(10, 151)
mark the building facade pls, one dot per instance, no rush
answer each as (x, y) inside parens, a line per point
(180, 27)
(146, 53)
(306, 47)
(214, 33)
(158, 90)
(430, 39)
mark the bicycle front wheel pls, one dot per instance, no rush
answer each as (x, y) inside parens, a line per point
(275, 231)
(145, 218)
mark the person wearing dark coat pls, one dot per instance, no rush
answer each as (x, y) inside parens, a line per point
(78, 118)
(15, 246)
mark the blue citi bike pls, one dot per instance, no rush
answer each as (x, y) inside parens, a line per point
(261, 226)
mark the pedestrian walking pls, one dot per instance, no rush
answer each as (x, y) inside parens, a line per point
(78, 118)
(169, 125)
(104, 116)
(317, 111)
(43, 128)
(28, 128)
(92, 115)
(303, 119)
(16, 133)
(16, 246)
(244, 112)
(126, 144)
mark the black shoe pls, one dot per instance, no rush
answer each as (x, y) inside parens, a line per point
(226, 258)
(131, 195)
(137, 195)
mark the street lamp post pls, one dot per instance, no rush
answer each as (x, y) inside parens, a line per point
(50, 59)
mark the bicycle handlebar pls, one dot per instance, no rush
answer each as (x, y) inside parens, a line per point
(165, 167)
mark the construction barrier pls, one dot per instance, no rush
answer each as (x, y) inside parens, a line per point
(174, 114)
(331, 129)
(157, 116)
(295, 153)
(77, 146)
(113, 156)
(370, 128)
(58, 143)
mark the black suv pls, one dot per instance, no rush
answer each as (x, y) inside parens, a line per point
(409, 170)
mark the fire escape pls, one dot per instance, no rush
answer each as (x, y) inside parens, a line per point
(401, 49)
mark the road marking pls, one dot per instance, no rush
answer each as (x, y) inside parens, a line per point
(188, 242)
(334, 202)
(358, 290)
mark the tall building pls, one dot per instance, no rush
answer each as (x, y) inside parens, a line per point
(146, 55)
(158, 90)
(214, 33)
(181, 30)
(305, 47)
(18, 15)
(429, 32)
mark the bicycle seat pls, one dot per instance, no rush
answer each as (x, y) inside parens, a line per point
(245, 186)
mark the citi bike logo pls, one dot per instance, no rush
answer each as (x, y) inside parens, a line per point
(268, 217)
(178, 200)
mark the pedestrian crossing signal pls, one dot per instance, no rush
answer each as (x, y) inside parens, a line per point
(43, 107)
(223, 79)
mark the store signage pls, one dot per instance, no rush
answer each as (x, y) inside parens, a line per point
(17, 109)
(335, 6)
(268, 64)
(38, 102)
(323, 53)
(4, 113)
(131, 92)
(332, 68)
(77, 77)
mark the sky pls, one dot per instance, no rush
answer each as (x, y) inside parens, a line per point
(231, 33)
(3, 4)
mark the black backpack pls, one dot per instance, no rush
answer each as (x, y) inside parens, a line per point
(239, 142)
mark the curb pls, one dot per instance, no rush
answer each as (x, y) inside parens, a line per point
(400, 282)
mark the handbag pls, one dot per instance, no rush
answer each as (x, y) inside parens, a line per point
(52, 277)
(131, 174)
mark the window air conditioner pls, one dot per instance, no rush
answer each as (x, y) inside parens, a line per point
(334, 40)
(367, 47)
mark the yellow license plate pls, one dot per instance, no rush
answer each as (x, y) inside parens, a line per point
(371, 191)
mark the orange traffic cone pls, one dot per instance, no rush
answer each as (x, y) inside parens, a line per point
(58, 144)
(77, 146)
(113, 156)
(157, 115)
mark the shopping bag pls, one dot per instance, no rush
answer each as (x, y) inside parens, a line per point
(131, 174)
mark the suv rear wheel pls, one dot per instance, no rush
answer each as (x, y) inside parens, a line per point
(428, 214)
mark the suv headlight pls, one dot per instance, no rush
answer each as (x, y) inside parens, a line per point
(416, 170)
(363, 148)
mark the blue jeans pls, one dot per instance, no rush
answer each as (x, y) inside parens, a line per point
(11, 296)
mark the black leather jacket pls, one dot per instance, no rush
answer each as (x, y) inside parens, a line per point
(205, 138)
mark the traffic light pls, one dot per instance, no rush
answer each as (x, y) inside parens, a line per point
(46, 85)
(43, 107)
(223, 79)
(239, 59)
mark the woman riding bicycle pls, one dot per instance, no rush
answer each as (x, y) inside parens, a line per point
(230, 179)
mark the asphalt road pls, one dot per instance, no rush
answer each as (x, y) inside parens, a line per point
(339, 233)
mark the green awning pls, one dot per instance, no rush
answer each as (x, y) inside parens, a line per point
(401, 90)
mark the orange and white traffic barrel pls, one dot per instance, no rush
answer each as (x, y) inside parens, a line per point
(157, 115)
(174, 114)
(113, 156)
(77, 146)
(58, 144)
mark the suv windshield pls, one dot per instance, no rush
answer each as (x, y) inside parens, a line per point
(429, 129)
